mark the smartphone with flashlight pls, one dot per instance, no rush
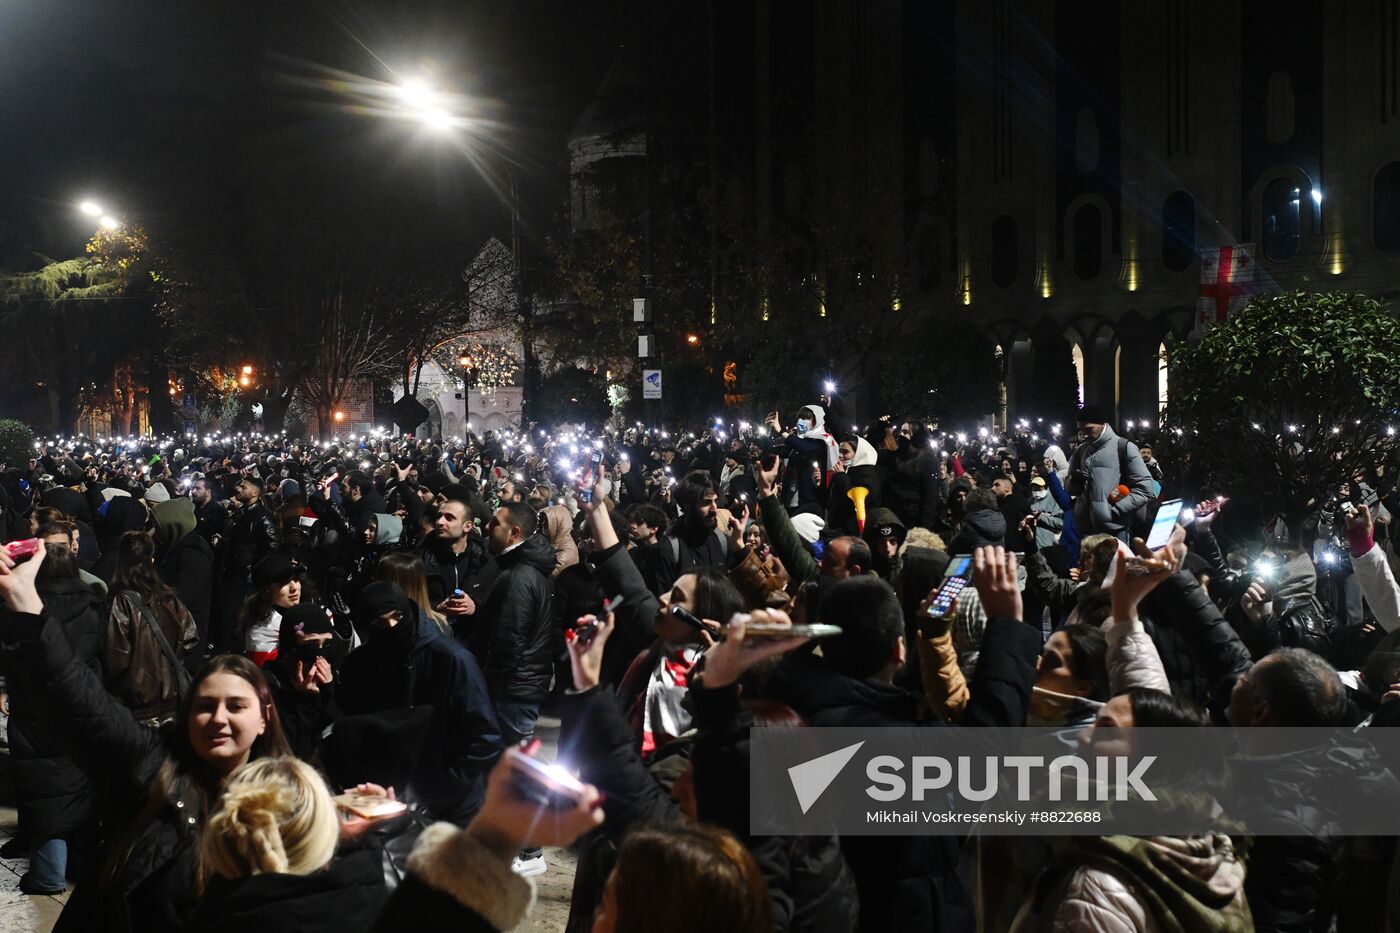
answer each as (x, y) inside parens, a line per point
(956, 578)
(1164, 524)
(548, 785)
(368, 806)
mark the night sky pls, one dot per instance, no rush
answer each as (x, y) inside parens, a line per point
(166, 110)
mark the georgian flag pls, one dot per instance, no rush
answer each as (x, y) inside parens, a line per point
(1227, 283)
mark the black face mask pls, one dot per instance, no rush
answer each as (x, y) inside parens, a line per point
(398, 638)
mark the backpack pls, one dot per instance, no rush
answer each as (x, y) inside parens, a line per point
(1140, 521)
(676, 545)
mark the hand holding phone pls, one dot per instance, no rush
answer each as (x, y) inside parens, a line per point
(1164, 524)
(957, 576)
(585, 641)
(512, 818)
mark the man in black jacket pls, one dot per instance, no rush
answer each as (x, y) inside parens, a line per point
(512, 634)
(456, 559)
(406, 661)
(253, 532)
(252, 535)
(1298, 862)
(211, 518)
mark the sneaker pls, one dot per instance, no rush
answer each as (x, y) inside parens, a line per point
(530, 865)
(28, 885)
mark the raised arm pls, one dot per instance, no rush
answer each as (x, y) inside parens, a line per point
(116, 753)
(783, 538)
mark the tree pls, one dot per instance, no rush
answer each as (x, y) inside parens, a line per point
(16, 443)
(81, 328)
(572, 395)
(1293, 396)
(957, 381)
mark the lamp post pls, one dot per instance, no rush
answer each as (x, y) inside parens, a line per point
(438, 112)
(466, 362)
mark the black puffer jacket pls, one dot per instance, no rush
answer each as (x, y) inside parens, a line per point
(1198, 647)
(53, 794)
(511, 634)
(1297, 852)
(154, 887)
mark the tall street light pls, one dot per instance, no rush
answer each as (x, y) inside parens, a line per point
(104, 220)
(433, 109)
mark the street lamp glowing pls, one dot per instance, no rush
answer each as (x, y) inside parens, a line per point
(417, 94)
(340, 416)
(692, 339)
(108, 222)
(91, 209)
(439, 119)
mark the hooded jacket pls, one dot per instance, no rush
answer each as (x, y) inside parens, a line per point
(388, 530)
(559, 526)
(430, 669)
(813, 447)
(186, 560)
(861, 471)
(1162, 883)
(511, 634)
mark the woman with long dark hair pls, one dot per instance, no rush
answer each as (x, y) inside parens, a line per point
(156, 787)
(136, 659)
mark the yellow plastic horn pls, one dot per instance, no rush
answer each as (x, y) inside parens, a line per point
(857, 495)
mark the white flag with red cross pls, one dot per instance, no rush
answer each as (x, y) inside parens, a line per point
(1227, 283)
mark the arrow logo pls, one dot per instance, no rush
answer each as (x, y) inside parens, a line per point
(811, 778)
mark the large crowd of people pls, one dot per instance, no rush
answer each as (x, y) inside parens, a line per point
(260, 683)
